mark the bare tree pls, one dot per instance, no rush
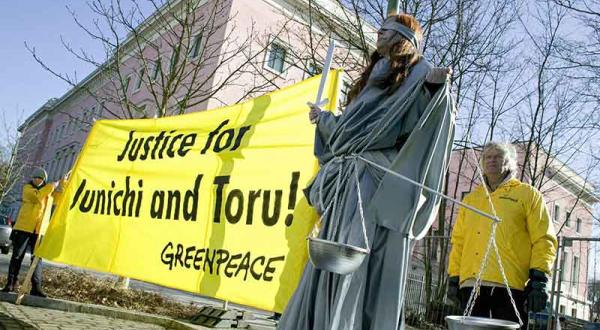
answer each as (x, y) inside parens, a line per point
(182, 54)
(12, 167)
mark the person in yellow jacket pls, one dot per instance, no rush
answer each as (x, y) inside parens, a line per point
(25, 233)
(525, 238)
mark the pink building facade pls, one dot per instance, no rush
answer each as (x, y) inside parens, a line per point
(53, 135)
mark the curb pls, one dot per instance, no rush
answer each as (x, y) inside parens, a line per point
(69, 306)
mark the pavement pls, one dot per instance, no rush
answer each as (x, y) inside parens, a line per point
(39, 313)
(26, 317)
(47, 313)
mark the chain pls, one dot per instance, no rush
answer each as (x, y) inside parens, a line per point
(360, 204)
(512, 300)
(492, 241)
(476, 287)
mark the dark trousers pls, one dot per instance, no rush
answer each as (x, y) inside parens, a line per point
(494, 302)
(21, 241)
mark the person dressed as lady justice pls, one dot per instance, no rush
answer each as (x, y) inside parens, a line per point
(399, 117)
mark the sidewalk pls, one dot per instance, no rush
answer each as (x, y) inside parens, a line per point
(45, 313)
(25, 317)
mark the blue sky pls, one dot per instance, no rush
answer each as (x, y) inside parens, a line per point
(41, 23)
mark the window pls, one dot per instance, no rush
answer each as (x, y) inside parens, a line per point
(175, 60)
(127, 83)
(71, 159)
(83, 121)
(561, 309)
(556, 212)
(51, 168)
(276, 57)
(575, 271)
(312, 69)
(98, 110)
(196, 48)
(574, 312)
(568, 219)
(140, 80)
(59, 165)
(346, 85)
(141, 108)
(563, 264)
(578, 225)
(156, 70)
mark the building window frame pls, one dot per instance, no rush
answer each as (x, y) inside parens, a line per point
(140, 81)
(273, 62)
(197, 46)
(127, 84)
(344, 91)
(312, 68)
(157, 66)
(563, 265)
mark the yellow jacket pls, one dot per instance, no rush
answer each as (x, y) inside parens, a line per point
(525, 236)
(33, 206)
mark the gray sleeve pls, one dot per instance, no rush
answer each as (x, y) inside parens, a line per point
(326, 124)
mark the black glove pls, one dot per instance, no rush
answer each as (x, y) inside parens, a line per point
(453, 287)
(537, 297)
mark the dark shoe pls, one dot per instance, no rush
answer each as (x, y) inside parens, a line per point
(38, 292)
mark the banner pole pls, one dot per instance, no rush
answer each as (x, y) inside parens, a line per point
(26, 286)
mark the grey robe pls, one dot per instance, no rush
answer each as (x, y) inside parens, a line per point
(410, 132)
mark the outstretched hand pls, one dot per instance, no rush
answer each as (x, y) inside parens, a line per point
(314, 112)
(438, 75)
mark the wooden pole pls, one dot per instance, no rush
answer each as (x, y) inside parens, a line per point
(26, 287)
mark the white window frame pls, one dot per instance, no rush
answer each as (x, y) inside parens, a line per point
(140, 81)
(575, 271)
(128, 80)
(564, 265)
(284, 67)
(556, 213)
(89, 115)
(347, 85)
(318, 67)
(155, 69)
(197, 46)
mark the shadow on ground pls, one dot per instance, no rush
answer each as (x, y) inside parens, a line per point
(7, 322)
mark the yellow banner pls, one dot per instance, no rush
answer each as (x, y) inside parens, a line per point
(208, 202)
